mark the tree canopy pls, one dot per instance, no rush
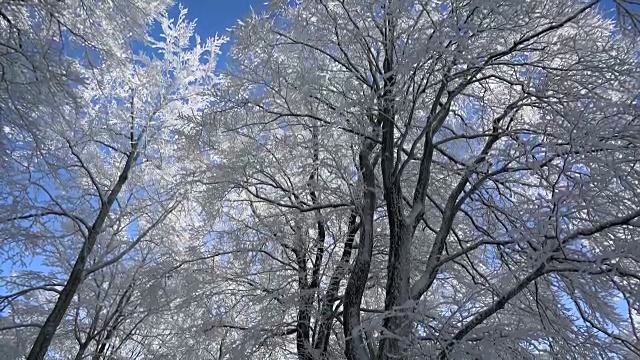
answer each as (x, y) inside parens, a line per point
(367, 180)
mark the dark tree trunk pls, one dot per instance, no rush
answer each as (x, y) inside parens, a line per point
(82, 349)
(326, 313)
(355, 348)
(48, 330)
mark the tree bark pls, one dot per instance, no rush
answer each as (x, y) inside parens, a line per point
(355, 348)
(397, 322)
(48, 330)
(326, 313)
(305, 297)
(82, 349)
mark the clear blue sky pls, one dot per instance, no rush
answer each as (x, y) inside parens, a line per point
(217, 15)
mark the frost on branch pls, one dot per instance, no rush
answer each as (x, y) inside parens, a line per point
(373, 179)
(101, 197)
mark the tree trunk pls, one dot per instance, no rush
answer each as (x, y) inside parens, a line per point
(397, 322)
(82, 350)
(48, 330)
(305, 297)
(326, 313)
(355, 348)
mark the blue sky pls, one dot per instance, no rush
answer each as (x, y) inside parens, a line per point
(215, 16)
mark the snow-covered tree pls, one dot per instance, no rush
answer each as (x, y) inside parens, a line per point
(370, 179)
(448, 179)
(112, 169)
(44, 42)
